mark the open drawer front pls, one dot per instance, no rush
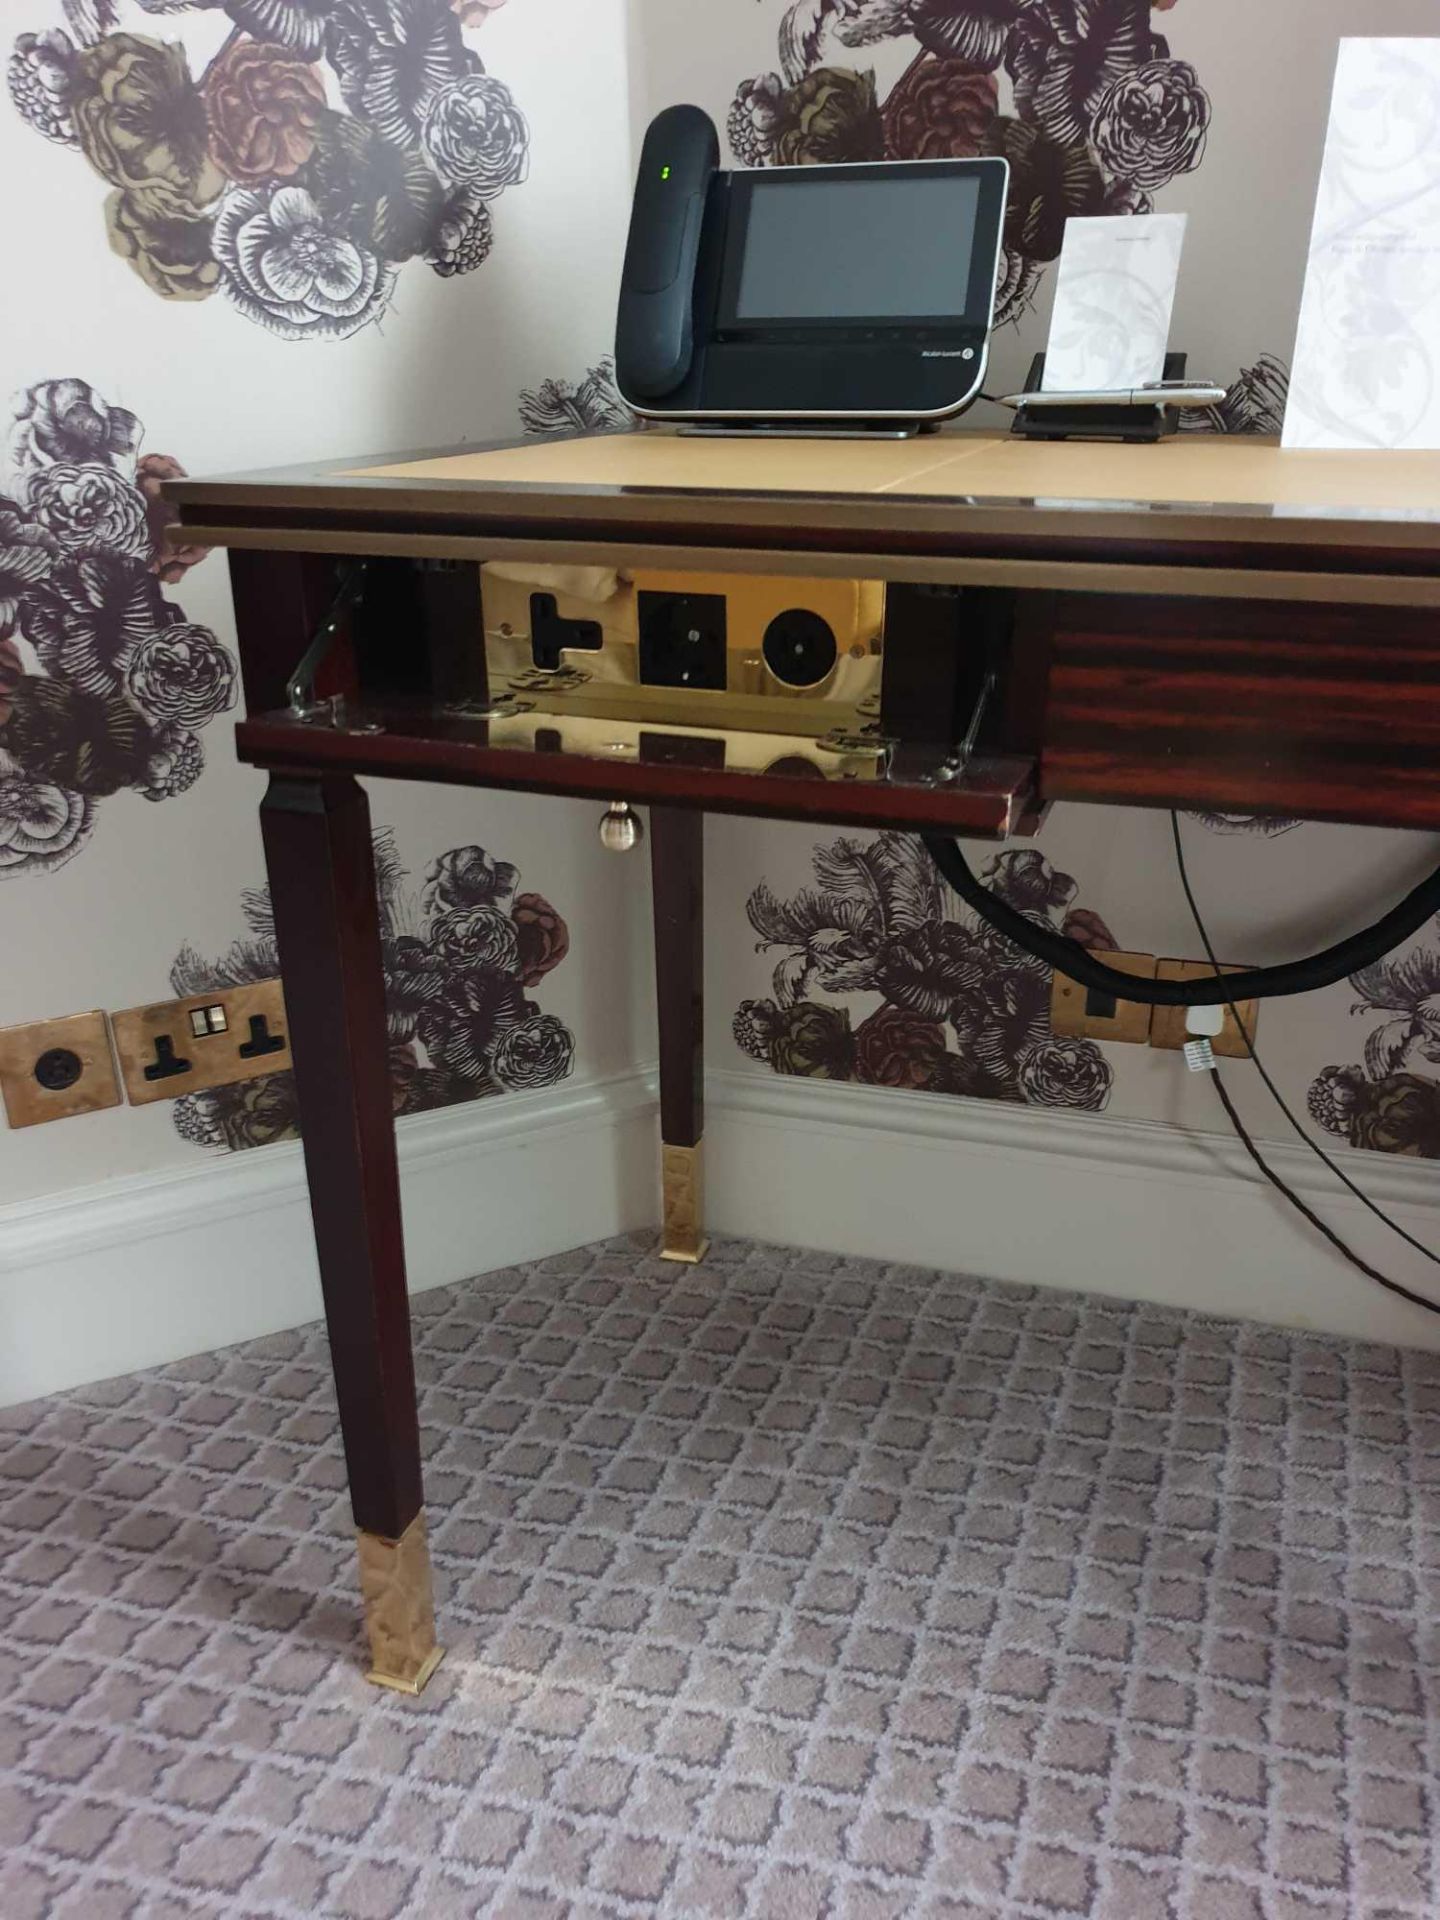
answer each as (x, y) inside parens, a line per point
(914, 787)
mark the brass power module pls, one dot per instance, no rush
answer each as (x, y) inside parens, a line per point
(750, 652)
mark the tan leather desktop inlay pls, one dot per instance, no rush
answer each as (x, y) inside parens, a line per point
(1190, 468)
(671, 460)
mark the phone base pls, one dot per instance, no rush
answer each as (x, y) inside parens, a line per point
(809, 429)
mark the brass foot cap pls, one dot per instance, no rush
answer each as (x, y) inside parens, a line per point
(415, 1685)
(689, 1258)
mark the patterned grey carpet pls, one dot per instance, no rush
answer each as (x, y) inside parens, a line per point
(791, 1586)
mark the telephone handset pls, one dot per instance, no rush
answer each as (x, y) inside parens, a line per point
(655, 337)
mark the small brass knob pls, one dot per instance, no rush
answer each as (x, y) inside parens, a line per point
(621, 828)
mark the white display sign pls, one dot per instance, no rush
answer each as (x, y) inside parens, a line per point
(1367, 351)
(1113, 294)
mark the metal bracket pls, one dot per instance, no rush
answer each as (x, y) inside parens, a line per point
(305, 704)
(957, 761)
(972, 732)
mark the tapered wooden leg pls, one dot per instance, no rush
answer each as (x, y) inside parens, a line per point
(322, 885)
(677, 875)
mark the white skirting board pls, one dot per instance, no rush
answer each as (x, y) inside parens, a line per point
(1060, 1199)
(133, 1273)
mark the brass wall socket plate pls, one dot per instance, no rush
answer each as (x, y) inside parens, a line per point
(211, 1033)
(1078, 1013)
(52, 1069)
(1167, 1029)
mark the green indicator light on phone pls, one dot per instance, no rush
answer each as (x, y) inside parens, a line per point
(664, 173)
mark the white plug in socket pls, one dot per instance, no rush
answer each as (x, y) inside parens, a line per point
(1205, 1020)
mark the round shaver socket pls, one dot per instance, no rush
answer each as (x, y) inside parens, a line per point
(799, 648)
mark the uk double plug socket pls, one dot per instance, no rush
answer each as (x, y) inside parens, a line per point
(209, 1040)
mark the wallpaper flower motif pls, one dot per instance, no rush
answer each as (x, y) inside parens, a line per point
(560, 405)
(961, 1009)
(459, 966)
(938, 109)
(1263, 825)
(247, 178)
(1382, 1101)
(264, 107)
(104, 683)
(1100, 114)
(1150, 124)
(1254, 402)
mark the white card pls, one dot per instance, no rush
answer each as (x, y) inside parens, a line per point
(1366, 371)
(1113, 295)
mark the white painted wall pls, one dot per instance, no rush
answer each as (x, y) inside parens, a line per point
(144, 1269)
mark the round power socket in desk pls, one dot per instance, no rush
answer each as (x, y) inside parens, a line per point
(799, 647)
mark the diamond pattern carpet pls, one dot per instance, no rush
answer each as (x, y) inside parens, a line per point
(787, 1586)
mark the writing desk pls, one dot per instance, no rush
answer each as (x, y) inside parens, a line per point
(1199, 623)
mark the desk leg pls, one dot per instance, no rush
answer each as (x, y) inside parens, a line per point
(677, 837)
(322, 885)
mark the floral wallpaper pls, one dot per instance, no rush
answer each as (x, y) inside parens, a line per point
(460, 966)
(1100, 114)
(1382, 1101)
(326, 144)
(104, 684)
(960, 1010)
(884, 978)
(1084, 98)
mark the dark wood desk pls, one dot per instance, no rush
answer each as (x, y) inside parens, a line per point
(1202, 623)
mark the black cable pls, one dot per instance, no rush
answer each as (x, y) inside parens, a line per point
(1070, 958)
(1275, 1093)
(1347, 1253)
(1258, 983)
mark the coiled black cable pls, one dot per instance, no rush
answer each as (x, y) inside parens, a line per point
(1256, 983)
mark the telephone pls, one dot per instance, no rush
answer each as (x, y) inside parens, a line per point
(805, 298)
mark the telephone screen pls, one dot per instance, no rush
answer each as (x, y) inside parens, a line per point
(891, 244)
